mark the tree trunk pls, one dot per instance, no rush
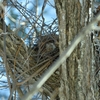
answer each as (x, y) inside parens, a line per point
(77, 73)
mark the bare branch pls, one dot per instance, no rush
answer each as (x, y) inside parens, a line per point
(61, 59)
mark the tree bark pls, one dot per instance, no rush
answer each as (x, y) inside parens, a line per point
(77, 73)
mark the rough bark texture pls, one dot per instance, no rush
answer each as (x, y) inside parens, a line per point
(77, 73)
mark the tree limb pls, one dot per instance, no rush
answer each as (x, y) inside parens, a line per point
(61, 59)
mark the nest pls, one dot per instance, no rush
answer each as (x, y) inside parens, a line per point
(27, 64)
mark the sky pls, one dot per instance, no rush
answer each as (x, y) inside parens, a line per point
(49, 12)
